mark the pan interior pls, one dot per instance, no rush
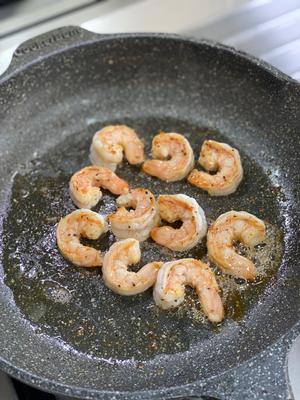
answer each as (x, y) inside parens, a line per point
(73, 305)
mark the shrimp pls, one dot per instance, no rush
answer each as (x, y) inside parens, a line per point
(136, 223)
(173, 276)
(115, 273)
(224, 159)
(85, 185)
(228, 228)
(174, 157)
(180, 207)
(109, 143)
(78, 223)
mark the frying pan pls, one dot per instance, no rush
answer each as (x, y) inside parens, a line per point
(61, 330)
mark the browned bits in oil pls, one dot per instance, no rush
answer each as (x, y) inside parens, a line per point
(51, 220)
(153, 339)
(80, 331)
(276, 189)
(44, 191)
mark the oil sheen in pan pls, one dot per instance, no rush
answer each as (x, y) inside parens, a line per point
(73, 304)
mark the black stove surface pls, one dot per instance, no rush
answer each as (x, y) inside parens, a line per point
(25, 392)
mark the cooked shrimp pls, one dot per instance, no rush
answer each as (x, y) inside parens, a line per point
(224, 159)
(118, 278)
(85, 185)
(173, 276)
(109, 143)
(228, 228)
(136, 223)
(173, 156)
(186, 209)
(78, 223)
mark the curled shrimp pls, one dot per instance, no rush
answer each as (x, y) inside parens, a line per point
(85, 223)
(173, 157)
(224, 159)
(228, 228)
(173, 276)
(118, 278)
(109, 143)
(186, 209)
(138, 222)
(85, 185)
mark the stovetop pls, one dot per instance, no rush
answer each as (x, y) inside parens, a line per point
(10, 389)
(269, 29)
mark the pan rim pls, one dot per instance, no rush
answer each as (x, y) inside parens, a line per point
(267, 67)
(60, 389)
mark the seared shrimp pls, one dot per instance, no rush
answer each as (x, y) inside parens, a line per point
(84, 223)
(85, 185)
(224, 159)
(109, 143)
(184, 208)
(136, 223)
(228, 228)
(118, 278)
(173, 276)
(173, 157)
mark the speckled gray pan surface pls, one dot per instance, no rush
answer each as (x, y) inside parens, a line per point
(60, 328)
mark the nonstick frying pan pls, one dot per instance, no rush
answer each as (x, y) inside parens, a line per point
(61, 330)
